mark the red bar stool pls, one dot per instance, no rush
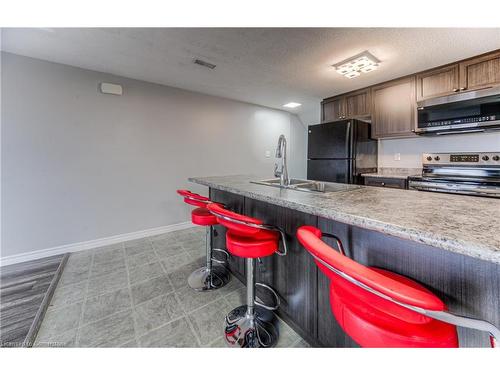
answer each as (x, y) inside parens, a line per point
(253, 325)
(379, 308)
(210, 276)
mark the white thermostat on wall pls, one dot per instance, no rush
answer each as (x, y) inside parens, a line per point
(111, 88)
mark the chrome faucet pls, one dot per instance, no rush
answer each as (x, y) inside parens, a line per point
(281, 171)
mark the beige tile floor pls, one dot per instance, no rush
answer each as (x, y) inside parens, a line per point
(135, 294)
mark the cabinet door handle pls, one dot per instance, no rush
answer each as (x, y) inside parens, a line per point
(456, 90)
(382, 183)
(462, 88)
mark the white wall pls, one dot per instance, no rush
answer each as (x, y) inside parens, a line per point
(78, 165)
(298, 145)
(411, 149)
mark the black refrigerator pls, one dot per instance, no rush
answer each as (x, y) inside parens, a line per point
(341, 151)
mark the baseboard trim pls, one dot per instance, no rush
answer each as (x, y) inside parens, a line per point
(86, 245)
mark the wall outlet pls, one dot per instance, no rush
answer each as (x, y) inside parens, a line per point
(397, 156)
(268, 154)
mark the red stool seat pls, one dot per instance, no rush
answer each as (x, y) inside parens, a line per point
(251, 325)
(202, 216)
(242, 239)
(356, 311)
(261, 244)
(193, 199)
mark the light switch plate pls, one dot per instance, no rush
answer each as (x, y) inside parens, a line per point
(268, 154)
(397, 156)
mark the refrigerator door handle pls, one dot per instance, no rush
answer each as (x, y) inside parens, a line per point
(350, 172)
(348, 138)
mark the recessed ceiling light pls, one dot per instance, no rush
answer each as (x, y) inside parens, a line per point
(292, 105)
(353, 66)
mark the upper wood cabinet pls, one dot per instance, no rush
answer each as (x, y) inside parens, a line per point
(394, 108)
(392, 105)
(357, 104)
(333, 109)
(438, 82)
(472, 74)
(480, 72)
(353, 105)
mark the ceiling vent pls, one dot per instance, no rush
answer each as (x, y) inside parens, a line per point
(204, 63)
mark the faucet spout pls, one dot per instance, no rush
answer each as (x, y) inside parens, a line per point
(281, 170)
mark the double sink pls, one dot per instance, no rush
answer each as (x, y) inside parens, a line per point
(310, 186)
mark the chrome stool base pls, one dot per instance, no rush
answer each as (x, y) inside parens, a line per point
(203, 279)
(257, 330)
(212, 276)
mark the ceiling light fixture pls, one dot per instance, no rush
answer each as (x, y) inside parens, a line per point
(353, 66)
(292, 105)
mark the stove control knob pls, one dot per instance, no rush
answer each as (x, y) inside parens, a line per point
(429, 158)
(496, 158)
(485, 158)
(437, 158)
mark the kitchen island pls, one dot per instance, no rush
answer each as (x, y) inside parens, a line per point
(449, 243)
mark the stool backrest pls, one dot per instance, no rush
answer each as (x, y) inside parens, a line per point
(241, 224)
(194, 199)
(385, 292)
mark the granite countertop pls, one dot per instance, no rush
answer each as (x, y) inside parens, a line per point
(401, 173)
(461, 224)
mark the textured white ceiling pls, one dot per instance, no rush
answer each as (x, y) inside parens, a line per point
(267, 66)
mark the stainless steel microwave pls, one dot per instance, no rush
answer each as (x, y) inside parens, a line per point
(467, 112)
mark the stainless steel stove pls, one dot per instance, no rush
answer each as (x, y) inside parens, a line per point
(469, 173)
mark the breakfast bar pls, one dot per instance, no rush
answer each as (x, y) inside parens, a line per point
(448, 243)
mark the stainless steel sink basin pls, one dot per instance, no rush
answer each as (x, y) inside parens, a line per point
(276, 182)
(308, 185)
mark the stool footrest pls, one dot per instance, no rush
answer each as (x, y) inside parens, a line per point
(218, 260)
(276, 297)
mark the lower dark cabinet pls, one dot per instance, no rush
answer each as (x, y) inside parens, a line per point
(235, 203)
(389, 182)
(294, 275)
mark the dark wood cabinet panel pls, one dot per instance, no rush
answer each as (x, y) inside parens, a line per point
(353, 105)
(394, 108)
(330, 334)
(333, 109)
(395, 183)
(438, 82)
(480, 72)
(235, 203)
(358, 104)
(293, 276)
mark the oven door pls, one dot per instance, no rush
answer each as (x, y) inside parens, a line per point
(478, 188)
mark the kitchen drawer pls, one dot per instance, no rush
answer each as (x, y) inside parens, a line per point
(395, 183)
